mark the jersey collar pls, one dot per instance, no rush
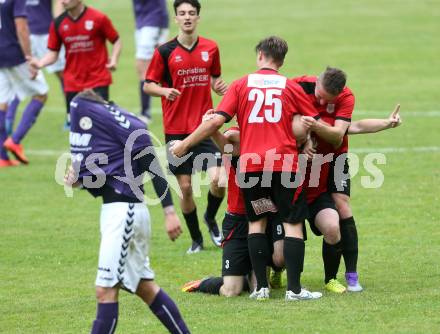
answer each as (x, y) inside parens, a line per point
(186, 49)
(80, 15)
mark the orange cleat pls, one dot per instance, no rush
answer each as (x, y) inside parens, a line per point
(192, 286)
(16, 149)
(8, 163)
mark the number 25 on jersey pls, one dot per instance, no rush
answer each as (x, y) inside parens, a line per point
(272, 105)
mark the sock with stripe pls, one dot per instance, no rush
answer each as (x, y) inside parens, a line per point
(106, 318)
(167, 312)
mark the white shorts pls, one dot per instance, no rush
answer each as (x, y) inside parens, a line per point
(147, 39)
(39, 49)
(125, 242)
(16, 81)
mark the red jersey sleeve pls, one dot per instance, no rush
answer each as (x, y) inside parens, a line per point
(54, 41)
(109, 30)
(229, 104)
(156, 68)
(302, 102)
(344, 107)
(216, 69)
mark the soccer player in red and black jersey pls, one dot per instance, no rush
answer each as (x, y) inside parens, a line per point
(83, 31)
(265, 104)
(335, 103)
(182, 72)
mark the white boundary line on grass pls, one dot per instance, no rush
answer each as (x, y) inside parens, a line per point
(363, 113)
(416, 149)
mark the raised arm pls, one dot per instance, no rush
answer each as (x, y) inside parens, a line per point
(375, 125)
(203, 131)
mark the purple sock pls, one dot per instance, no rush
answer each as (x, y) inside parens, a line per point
(10, 115)
(145, 102)
(29, 117)
(3, 135)
(106, 319)
(166, 310)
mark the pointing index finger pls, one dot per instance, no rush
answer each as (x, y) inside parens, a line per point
(396, 110)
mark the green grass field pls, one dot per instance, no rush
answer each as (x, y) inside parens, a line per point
(390, 50)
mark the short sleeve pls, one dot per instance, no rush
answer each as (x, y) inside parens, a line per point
(109, 30)
(229, 104)
(156, 68)
(20, 8)
(216, 70)
(344, 108)
(302, 103)
(54, 41)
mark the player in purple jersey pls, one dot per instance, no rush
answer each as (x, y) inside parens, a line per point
(15, 78)
(111, 150)
(39, 14)
(151, 18)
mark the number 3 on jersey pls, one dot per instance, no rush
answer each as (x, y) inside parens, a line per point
(272, 113)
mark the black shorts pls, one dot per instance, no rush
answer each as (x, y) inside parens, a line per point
(235, 258)
(324, 201)
(338, 182)
(261, 200)
(202, 156)
(102, 91)
(274, 229)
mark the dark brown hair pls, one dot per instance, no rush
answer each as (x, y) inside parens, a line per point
(333, 80)
(273, 47)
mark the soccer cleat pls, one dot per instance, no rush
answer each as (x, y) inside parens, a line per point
(262, 294)
(303, 295)
(16, 149)
(192, 286)
(353, 282)
(196, 247)
(334, 286)
(8, 163)
(276, 279)
(214, 232)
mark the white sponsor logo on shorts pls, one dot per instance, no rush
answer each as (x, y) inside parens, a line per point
(263, 205)
(85, 123)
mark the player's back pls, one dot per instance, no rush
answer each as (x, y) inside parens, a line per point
(265, 104)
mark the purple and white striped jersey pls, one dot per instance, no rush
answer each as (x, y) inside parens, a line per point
(100, 140)
(39, 16)
(150, 13)
(11, 53)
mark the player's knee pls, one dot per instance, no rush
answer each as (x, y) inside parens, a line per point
(105, 295)
(186, 189)
(231, 290)
(332, 234)
(40, 98)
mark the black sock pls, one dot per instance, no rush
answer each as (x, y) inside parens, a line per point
(211, 285)
(349, 240)
(331, 256)
(294, 249)
(193, 225)
(213, 205)
(259, 254)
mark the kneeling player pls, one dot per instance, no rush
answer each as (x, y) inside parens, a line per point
(103, 132)
(236, 264)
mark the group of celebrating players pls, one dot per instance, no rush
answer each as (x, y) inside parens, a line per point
(282, 125)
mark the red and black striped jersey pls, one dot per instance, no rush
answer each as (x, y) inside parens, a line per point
(86, 54)
(189, 71)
